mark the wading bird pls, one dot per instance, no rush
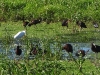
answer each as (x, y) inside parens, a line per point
(81, 24)
(19, 35)
(95, 25)
(35, 21)
(65, 23)
(95, 48)
(36, 50)
(68, 48)
(18, 50)
(81, 53)
(33, 51)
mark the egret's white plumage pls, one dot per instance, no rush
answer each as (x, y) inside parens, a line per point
(20, 34)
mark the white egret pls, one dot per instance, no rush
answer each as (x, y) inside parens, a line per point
(19, 35)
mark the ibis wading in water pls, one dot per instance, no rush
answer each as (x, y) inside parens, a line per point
(95, 48)
(18, 50)
(68, 48)
(81, 53)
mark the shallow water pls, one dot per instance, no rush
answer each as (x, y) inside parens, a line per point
(79, 46)
(54, 47)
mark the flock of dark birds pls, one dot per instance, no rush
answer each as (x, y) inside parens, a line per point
(82, 53)
(81, 24)
(33, 22)
(34, 50)
(67, 47)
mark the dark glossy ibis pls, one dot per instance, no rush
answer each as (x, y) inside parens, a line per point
(65, 23)
(37, 50)
(35, 21)
(95, 48)
(81, 24)
(68, 48)
(81, 53)
(18, 50)
(33, 51)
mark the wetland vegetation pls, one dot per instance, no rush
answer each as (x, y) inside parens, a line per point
(50, 36)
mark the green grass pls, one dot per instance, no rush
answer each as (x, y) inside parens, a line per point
(49, 64)
(50, 10)
(45, 67)
(52, 31)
